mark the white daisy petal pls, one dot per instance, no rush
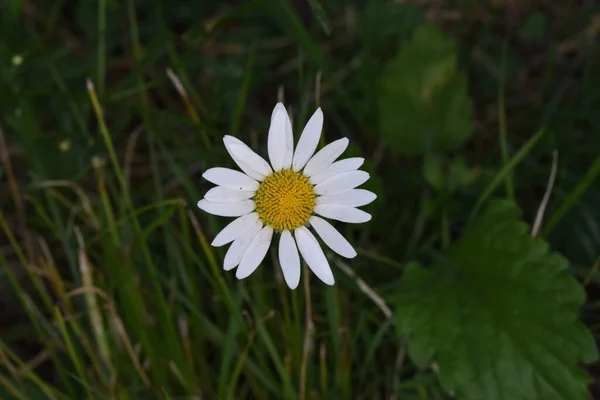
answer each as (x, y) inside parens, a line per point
(313, 255)
(351, 198)
(342, 213)
(235, 229)
(349, 164)
(332, 237)
(289, 136)
(227, 209)
(278, 107)
(250, 158)
(230, 178)
(289, 259)
(325, 157)
(277, 141)
(238, 247)
(220, 194)
(341, 182)
(247, 170)
(307, 144)
(243, 166)
(289, 142)
(255, 253)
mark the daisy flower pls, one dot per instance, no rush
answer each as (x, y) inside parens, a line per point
(286, 197)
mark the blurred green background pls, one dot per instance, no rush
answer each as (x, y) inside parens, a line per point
(467, 113)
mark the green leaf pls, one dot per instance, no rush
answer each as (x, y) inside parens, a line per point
(534, 29)
(433, 171)
(499, 314)
(423, 99)
(443, 173)
(384, 20)
(460, 175)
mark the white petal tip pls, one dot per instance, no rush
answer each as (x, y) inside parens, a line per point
(228, 265)
(218, 243)
(293, 286)
(329, 282)
(241, 274)
(279, 106)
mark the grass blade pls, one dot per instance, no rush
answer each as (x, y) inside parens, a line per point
(504, 171)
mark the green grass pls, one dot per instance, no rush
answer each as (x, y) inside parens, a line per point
(109, 288)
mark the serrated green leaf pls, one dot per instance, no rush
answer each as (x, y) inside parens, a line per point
(499, 314)
(423, 100)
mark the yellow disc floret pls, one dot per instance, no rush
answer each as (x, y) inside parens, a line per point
(285, 200)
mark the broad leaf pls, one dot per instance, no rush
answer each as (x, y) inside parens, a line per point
(423, 100)
(499, 314)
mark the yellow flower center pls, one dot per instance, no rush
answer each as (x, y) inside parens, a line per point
(285, 200)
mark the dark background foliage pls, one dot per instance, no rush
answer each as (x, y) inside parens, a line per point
(109, 289)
